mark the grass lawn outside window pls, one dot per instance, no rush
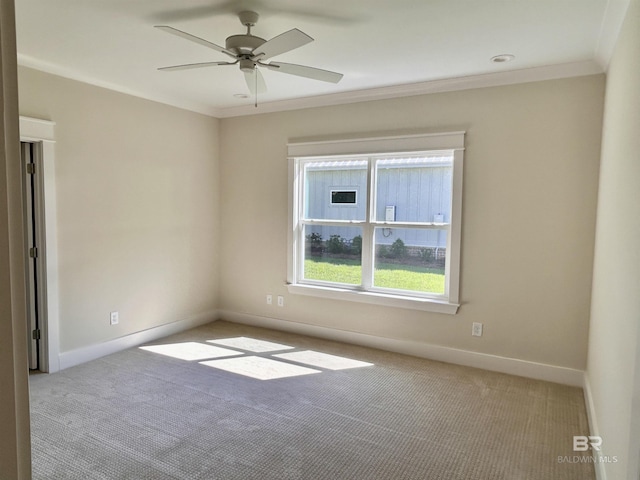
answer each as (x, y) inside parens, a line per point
(387, 275)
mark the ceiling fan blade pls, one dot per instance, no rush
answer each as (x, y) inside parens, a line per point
(304, 71)
(255, 81)
(282, 43)
(193, 38)
(188, 66)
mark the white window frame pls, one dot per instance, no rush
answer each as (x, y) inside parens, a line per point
(451, 142)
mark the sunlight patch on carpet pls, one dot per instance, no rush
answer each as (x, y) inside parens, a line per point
(259, 368)
(190, 350)
(250, 344)
(323, 360)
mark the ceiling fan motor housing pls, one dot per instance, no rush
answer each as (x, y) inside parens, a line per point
(243, 44)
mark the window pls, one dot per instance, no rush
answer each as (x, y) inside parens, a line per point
(398, 243)
(343, 197)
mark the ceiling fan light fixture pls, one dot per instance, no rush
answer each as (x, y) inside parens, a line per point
(247, 65)
(503, 58)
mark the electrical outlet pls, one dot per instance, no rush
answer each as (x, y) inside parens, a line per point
(280, 301)
(476, 330)
(114, 318)
(269, 299)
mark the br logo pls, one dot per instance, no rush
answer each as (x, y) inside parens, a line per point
(582, 443)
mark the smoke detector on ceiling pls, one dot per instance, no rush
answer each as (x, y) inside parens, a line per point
(503, 58)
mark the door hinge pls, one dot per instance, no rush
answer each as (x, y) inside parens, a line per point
(36, 334)
(31, 168)
(33, 252)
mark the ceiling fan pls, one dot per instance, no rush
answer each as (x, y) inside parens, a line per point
(250, 52)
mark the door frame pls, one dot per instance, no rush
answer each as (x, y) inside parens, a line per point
(40, 133)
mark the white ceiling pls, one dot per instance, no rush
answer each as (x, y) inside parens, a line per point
(383, 47)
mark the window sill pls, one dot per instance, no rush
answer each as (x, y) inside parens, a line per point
(412, 303)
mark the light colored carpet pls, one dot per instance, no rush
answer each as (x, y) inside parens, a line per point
(140, 414)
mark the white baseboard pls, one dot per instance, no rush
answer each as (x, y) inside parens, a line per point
(91, 352)
(512, 366)
(601, 473)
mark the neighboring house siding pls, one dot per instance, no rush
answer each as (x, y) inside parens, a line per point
(418, 194)
(320, 184)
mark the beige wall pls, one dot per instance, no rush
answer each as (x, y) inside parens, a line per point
(137, 197)
(614, 349)
(531, 167)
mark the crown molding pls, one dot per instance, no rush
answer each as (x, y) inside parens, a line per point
(612, 20)
(43, 66)
(534, 74)
(510, 77)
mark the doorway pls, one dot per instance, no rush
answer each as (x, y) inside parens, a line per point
(40, 233)
(34, 265)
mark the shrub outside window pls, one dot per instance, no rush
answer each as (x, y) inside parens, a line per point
(399, 244)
